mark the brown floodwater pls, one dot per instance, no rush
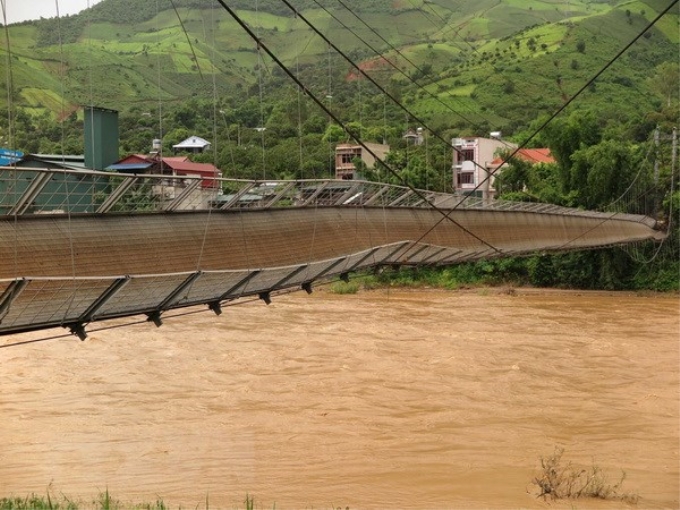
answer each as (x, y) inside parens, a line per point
(383, 399)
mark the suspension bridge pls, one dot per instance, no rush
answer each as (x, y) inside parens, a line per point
(83, 246)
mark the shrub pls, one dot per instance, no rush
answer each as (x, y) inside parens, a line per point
(556, 481)
(344, 287)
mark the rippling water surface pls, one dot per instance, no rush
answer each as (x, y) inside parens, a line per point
(384, 399)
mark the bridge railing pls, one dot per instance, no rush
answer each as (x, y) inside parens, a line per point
(31, 190)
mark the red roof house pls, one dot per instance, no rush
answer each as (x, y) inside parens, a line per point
(532, 156)
(176, 166)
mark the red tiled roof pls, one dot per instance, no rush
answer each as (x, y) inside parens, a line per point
(188, 166)
(536, 155)
(181, 165)
(134, 158)
(138, 158)
(533, 156)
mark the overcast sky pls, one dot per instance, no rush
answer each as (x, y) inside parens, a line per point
(20, 10)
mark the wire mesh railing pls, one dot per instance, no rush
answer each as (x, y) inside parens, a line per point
(26, 190)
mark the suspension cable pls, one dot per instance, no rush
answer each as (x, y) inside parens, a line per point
(10, 79)
(562, 108)
(419, 120)
(347, 129)
(395, 66)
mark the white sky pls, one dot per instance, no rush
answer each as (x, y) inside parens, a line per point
(20, 10)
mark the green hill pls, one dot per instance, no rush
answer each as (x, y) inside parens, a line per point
(495, 63)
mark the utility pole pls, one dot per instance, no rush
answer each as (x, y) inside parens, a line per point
(674, 151)
(656, 172)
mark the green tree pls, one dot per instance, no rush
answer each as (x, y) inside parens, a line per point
(666, 82)
(514, 175)
(566, 136)
(334, 134)
(603, 172)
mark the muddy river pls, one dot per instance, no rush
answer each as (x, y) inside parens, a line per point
(383, 399)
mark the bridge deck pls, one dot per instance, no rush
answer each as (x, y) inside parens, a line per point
(73, 266)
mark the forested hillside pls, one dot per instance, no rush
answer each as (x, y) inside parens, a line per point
(453, 67)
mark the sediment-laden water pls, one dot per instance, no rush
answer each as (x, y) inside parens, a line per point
(383, 399)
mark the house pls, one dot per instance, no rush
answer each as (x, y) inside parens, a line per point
(531, 156)
(477, 163)
(346, 153)
(78, 191)
(175, 168)
(471, 158)
(414, 137)
(193, 144)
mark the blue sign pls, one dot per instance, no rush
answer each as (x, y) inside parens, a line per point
(7, 156)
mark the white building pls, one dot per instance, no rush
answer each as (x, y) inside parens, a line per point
(472, 158)
(193, 144)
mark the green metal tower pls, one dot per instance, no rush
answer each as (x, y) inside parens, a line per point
(101, 137)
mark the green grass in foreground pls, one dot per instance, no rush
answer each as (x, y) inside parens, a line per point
(105, 502)
(49, 502)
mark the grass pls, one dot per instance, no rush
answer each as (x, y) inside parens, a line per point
(49, 502)
(341, 287)
(560, 481)
(105, 501)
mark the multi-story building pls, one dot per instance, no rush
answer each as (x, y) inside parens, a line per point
(345, 155)
(471, 159)
(477, 162)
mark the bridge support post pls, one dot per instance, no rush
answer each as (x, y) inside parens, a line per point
(79, 331)
(155, 317)
(216, 307)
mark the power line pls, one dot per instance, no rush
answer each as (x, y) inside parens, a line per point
(389, 44)
(456, 31)
(321, 105)
(404, 108)
(445, 215)
(563, 107)
(425, 4)
(364, 74)
(186, 34)
(396, 67)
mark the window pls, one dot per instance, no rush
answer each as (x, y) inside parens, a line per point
(466, 155)
(466, 178)
(347, 158)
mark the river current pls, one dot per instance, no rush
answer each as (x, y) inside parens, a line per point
(383, 399)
